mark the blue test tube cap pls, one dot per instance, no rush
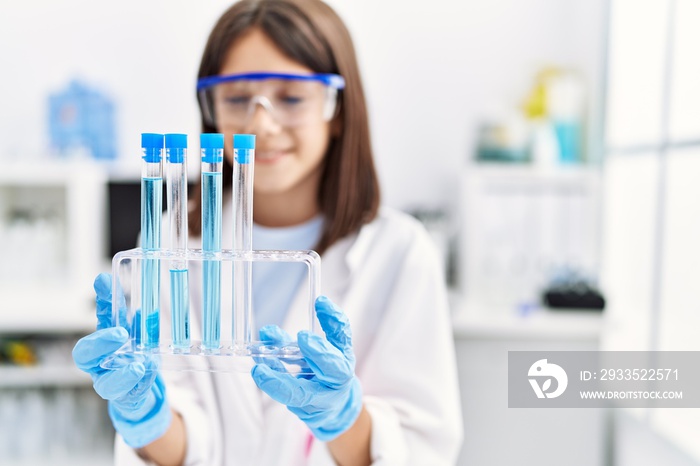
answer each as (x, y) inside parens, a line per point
(175, 143)
(244, 141)
(152, 145)
(243, 145)
(212, 145)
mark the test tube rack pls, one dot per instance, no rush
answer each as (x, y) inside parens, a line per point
(239, 349)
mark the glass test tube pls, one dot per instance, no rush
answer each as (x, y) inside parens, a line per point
(176, 156)
(148, 329)
(212, 163)
(243, 172)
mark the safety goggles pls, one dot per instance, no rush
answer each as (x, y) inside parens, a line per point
(291, 99)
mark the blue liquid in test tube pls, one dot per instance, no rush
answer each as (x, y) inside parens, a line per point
(180, 302)
(151, 211)
(212, 163)
(176, 156)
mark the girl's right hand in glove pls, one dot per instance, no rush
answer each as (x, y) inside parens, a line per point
(134, 389)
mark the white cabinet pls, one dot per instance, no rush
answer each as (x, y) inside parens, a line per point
(495, 434)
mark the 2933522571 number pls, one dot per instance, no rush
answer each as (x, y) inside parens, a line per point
(639, 374)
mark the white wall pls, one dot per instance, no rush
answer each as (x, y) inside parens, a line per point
(431, 70)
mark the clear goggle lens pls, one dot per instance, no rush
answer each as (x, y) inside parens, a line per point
(291, 102)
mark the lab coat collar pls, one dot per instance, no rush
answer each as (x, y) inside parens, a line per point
(342, 259)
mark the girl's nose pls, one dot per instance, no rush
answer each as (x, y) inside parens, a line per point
(261, 118)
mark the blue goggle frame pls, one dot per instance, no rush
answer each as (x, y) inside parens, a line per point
(332, 80)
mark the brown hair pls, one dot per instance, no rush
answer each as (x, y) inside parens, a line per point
(311, 33)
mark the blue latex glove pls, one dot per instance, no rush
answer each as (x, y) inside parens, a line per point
(330, 400)
(135, 390)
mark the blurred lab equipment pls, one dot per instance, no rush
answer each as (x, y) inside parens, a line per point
(82, 118)
(548, 128)
(32, 233)
(16, 352)
(48, 412)
(520, 226)
(522, 222)
(556, 106)
(440, 226)
(54, 425)
(505, 139)
(572, 290)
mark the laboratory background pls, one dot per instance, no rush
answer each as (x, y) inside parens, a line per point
(550, 147)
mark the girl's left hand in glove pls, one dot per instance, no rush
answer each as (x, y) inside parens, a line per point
(330, 401)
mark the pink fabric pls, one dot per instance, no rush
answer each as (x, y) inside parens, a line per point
(309, 444)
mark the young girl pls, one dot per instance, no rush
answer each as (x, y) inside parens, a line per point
(387, 393)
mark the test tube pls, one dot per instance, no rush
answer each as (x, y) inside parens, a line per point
(151, 212)
(176, 156)
(212, 145)
(243, 172)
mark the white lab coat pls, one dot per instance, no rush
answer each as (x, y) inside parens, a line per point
(388, 280)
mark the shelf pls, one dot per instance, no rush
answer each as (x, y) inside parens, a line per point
(45, 324)
(526, 172)
(50, 172)
(37, 309)
(541, 325)
(93, 460)
(471, 320)
(42, 376)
